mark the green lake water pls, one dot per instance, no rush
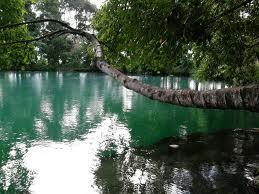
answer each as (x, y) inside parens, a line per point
(84, 133)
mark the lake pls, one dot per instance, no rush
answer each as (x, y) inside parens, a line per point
(84, 133)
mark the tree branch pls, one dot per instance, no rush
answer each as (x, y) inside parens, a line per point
(58, 33)
(246, 97)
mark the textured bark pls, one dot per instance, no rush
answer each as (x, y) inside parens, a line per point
(245, 98)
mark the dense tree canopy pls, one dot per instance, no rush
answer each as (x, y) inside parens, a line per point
(63, 52)
(14, 56)
(185, 44)
(209, 39)
(213, 39)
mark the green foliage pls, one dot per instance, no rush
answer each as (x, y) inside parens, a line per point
(230, 53)
(133, 28)
(19, 56)
(257, 70)
(47, 54)
(64, 52)
(210, 39)
(213, 39)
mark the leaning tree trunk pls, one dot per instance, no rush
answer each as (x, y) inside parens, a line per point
(245, 97)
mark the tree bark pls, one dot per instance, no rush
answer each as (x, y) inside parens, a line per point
(243, 98)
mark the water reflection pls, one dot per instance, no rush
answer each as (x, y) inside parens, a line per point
(127, 99)
(82, 157)
(83, 132)
(172, 82)
(47, 109)
(70, 117)
(13, 176)
(12, 77)
(60, 78)
(40, 126)
(37, 81)
(1, 95)
(166, 82)
(203, 164)
(66, 167)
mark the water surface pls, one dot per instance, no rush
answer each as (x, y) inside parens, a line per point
(84, 133)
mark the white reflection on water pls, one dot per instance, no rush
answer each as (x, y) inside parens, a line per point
(69, 167)
(1, 95)
(200, 86)
(60, 75)
(70, 117)
(210, 86)
(46, 109)
(12, 77)
(192, 84)
(37, 82)
(176, 82)
(139, 177)
(182, 177)
(94, 109)
(83, 77)
(165, 82)
(181, 180)
(206, 85)
(127, 97)
(144, 173)
(12, 167)
(171, 82)
(173, 189)
(40, 126)
(210, 173)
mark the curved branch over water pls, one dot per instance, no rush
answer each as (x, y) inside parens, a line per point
(244, 98)
(48, 35)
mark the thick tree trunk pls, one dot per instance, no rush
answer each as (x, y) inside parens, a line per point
(245, 98)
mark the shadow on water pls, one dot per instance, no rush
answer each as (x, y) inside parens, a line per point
(215, 163)
(84, 133)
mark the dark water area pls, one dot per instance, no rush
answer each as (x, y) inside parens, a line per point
(84, 133)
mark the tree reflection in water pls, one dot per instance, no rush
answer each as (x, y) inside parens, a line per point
(81, 131)
(216, 163)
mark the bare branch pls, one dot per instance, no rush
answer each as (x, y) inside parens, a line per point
(74, 31)
(56, 33)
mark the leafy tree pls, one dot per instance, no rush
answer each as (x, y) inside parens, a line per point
(217, 39)
(236, 98)
(61, 52)
(18, 56)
